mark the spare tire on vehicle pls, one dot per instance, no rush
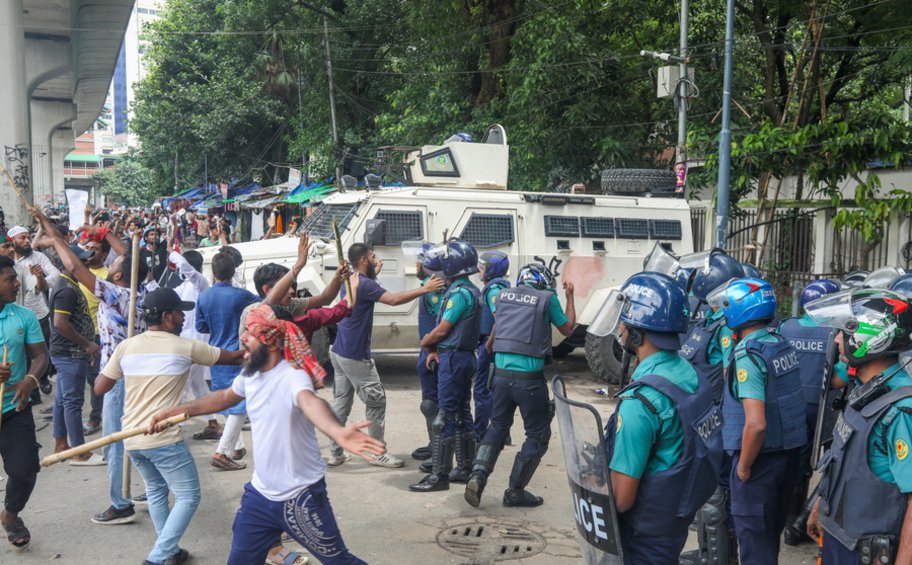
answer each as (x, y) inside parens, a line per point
(639, 181)
(605, 357)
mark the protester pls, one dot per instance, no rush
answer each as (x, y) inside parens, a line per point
(154, 367)
(288, 490)
(96, 264)
(26, 356)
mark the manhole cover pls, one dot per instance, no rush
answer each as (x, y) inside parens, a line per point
(491, 541)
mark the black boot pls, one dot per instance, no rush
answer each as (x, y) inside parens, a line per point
(465, 456)
(484, 465)
(429, 410)
(442, 457)
(516, 494)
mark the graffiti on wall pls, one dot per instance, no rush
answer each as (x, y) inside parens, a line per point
(17, 163)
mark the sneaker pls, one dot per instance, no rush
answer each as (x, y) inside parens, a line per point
(387, 460)
(113, 516)
(336, 460)
(140, 500)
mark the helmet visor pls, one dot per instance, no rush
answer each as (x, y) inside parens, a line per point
(699, 260)
(834, 311)
(716, 298)
(883, 277)
(412, 249)
(608, 319)
(661, 261)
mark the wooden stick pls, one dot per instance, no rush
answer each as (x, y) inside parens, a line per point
(108, 439)
(3, 384)
(127, 476)
(21, 196)
(340, 259)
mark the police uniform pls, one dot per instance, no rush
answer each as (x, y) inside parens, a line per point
(666, 432)
(867, 475)
(428, 311)
(764, 367)
(522, 342)
(706, 347)
(462, 308)
(480, 393)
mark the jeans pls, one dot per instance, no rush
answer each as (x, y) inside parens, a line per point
(19, 451)
(69, 398)
(353, 375)
(168, 468)
(308, 518)
(97, 401)
(114, 452)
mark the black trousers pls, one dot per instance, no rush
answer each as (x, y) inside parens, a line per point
(19, 452)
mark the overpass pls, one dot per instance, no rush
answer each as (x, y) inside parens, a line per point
(57, 58)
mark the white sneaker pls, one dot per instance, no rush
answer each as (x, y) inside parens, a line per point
(336, 460)
(387, 460)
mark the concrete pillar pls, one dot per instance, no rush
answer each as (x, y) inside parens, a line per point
(823, 242)
(14, 130)
(62, 142)
(46, 118)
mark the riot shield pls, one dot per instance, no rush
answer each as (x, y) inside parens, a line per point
(829, 407)
(583, 443)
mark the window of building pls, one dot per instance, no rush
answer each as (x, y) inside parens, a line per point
(142, 10)
(488, 230)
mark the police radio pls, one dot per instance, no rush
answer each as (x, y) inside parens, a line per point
(873, 389)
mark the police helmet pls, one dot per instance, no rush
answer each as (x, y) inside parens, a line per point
(751, 271)
(883, 277)
(903, 285)
(537, 276)
(655, 303)
(496, 264)
(748, 301)
(816, 289)
(720, 269)
(855, 279)
(458, 259)
(875, 323)
(430, 260)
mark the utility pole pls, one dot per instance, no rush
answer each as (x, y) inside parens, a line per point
(332, 103)
(206, 170)
(682, 93)
(301, 121)
(725, 135)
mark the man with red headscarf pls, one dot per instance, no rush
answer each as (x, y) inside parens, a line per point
(288, 491)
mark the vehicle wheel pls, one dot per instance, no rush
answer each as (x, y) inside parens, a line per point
(319, 343)
(638, 181)
(562, 350)
(605, 357)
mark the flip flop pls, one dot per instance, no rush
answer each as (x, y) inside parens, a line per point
(18, 531)
(288, 557)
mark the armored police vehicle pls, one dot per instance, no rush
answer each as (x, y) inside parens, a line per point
(460, 189)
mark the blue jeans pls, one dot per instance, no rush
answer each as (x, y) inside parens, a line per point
(168, 468)
(308, 518)
(114, 452)
(69, 398)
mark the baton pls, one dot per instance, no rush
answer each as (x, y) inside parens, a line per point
(109, 439)
(127, 476)
(22, 198)
(348, 284)
(3, 384)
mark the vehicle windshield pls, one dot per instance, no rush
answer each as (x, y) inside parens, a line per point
(319, 223)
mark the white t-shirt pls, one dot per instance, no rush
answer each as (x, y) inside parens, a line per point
(287, 455)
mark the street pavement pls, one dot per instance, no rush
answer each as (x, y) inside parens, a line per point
(381, 521)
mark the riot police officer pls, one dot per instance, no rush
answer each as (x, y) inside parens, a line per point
(664, 442)
(427, 266)
(493, 267)
(521, 342)
(867, 478)
(451, 345)
(764, 428)
(706, 348)
(811, 343)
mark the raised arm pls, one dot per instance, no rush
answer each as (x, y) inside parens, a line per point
(396, 298)
(569, 311)
(280, 289)
(331, 291)
(72, 263)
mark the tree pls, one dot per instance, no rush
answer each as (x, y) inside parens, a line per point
(127, 182)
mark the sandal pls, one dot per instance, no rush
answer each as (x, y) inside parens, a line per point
(239, 454)
(18, 531)
(208, 433)
(227, 464)
(287, 557)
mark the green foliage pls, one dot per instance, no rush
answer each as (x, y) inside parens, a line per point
(128, 183)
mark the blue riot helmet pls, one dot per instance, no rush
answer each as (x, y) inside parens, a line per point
(683, 276)
(495, 263)
(883, 277)
(903, 285)
(719, 269)
(537, 276)
(855, 279)
(458, 259)
(816, 289)
(430, 261)
(748, 301)
(751, 271)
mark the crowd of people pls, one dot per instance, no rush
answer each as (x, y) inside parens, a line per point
(719, 424)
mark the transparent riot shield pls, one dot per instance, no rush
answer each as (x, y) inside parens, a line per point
(583, 442)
